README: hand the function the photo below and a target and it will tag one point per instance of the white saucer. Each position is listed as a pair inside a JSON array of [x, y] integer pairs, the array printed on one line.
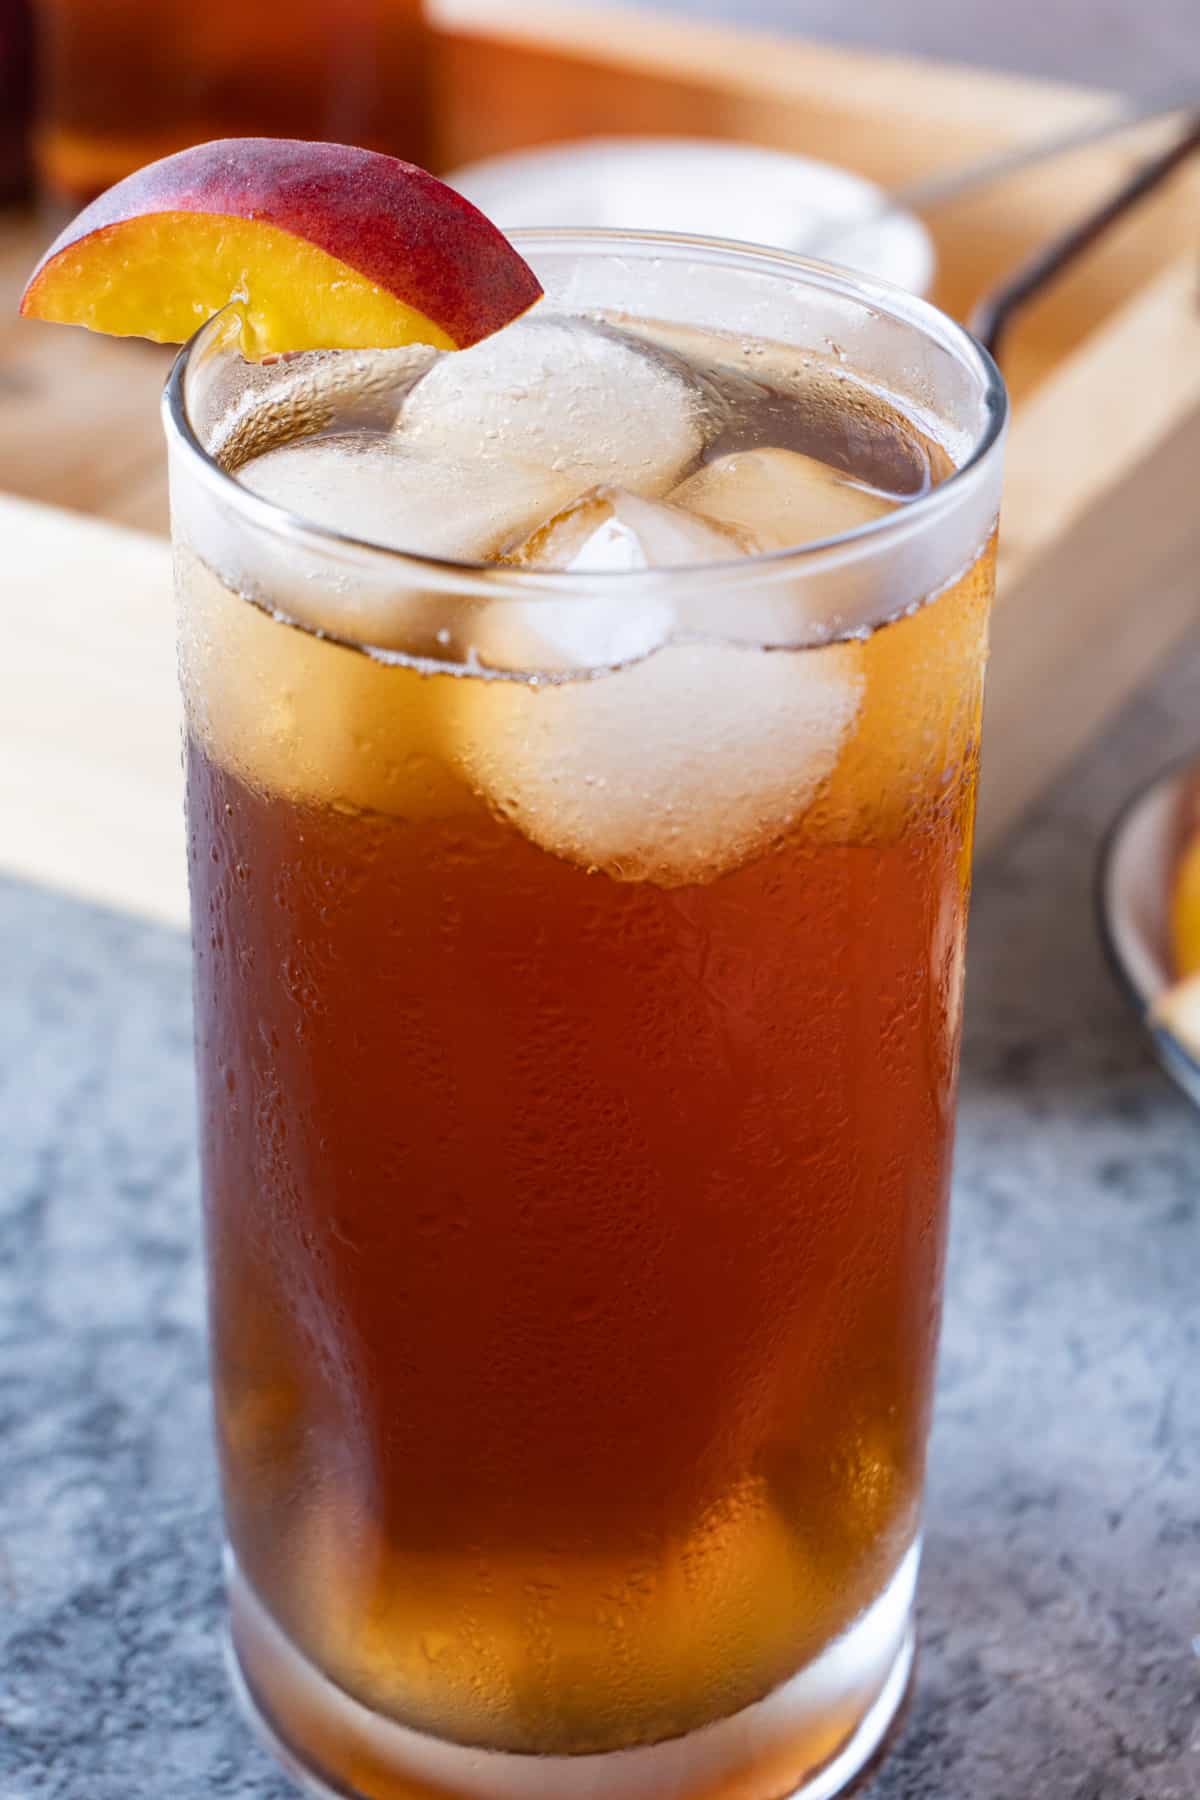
[[1132, 894], [702, 185]]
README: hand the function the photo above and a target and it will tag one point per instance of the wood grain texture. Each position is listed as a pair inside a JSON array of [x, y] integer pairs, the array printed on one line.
[[508, 76], [78, 413], [1101, 534], [1100, 541], [90, 785]]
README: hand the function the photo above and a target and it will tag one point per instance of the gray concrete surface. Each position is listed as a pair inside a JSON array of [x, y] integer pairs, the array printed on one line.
[[1060, 1601]]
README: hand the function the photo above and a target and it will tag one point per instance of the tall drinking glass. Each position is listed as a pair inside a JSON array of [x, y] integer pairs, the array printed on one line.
[[578, 980]]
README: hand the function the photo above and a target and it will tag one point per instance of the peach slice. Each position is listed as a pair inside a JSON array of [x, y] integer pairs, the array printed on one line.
[[324, 246], [1177, 1010], [1185, 910]]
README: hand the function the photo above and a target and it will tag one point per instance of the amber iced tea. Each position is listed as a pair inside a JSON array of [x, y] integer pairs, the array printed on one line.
[[578, 990], [610, 1474]]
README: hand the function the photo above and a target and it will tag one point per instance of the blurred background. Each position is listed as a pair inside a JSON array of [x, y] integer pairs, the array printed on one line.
[[1120, 43], [91, 88]]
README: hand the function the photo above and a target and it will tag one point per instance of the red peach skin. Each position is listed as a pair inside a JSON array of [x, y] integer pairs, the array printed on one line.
[[325, 245]]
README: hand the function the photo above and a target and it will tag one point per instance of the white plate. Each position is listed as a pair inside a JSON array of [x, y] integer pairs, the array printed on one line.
[[701, 185], [1133, 893]]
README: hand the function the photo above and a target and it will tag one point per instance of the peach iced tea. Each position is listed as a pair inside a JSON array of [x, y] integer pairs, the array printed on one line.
[[582, 712], [578, 988]]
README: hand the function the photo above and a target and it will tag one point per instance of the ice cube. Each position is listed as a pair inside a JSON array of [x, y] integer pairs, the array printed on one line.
[[606, 531], [918, 726], [612, 529], [376, 488], [780, 498], [561, 395], [490, 443], [295, 395], [297, 716], [672, 769]]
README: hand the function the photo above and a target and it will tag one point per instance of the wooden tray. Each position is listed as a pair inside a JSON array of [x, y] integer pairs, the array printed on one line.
[[1101, 529]]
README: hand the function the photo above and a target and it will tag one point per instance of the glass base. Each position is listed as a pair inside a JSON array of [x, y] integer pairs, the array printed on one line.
[[808, 1740]]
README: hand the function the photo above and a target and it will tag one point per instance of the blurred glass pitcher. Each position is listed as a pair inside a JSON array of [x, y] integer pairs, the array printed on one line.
[[125, 81]]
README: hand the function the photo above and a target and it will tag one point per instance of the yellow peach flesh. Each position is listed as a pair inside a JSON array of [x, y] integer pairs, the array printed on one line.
[[162, 275]]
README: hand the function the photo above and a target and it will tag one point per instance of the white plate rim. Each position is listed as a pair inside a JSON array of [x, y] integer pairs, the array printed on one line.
[[484, 181], [1132, 873]]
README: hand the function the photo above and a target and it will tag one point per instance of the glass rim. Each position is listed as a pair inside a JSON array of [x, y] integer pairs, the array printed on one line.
[[498, 581]]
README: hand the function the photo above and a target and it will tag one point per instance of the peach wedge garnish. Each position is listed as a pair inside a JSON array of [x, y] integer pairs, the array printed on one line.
[[324, 247]]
